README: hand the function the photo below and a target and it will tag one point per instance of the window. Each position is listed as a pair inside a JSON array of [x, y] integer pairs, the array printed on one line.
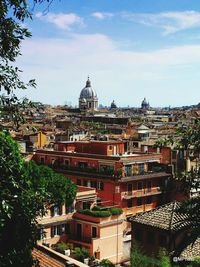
[[110, 147], [94, 184], [41, 233], [141, 168], [65, 228], [70, 209], [149, 200], [52, 161], [84, 183], [56, 210], [129, 203], [86, 205], [139, 186], [174, 154], [78, 182], [60, 229], [181, 154], [139, 201], [106, 169], [94, 232], [117, 189], [66, 162], [149, 186], [42, 160], [82, 165], [100, 186], [55, 230], [128, 170], [129, 187]]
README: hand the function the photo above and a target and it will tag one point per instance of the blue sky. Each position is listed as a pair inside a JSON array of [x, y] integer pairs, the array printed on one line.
[[131, 49]]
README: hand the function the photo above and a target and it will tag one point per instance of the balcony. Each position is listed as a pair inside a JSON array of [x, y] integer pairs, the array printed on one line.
[[144, 176], [141, 193], [86, 171]]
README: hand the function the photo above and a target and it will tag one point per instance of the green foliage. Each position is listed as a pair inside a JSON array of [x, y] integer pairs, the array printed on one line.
[[106, 263], [61, 247], [81, 253], [164, 258], [48, 179], [116, 211], [138, 258], [96, 213], [13, 14], [191, 222], [25, 189], [163, 142]]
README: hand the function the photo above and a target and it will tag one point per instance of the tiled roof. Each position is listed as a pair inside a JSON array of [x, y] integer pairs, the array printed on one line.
[[50, 258], [163, 217], [192, 250]]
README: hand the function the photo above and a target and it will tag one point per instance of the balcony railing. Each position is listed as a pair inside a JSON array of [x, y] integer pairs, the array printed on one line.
[[61, 166], [141, 193]]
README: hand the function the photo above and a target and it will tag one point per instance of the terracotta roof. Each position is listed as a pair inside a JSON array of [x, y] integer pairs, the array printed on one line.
[[50, 258], [163, 217], [192, 250]]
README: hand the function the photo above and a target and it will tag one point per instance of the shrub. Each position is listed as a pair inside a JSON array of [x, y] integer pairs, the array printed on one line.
[[116, 211], [81, 253], [61, 247], [106, 263], [96, 213]]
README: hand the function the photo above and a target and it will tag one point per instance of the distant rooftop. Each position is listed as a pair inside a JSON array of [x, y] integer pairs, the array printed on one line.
[[164, 217]]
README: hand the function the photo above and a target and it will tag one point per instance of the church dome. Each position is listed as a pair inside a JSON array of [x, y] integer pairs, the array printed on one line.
[[83, 100], [88, 91], [113, 105], [144, 102]]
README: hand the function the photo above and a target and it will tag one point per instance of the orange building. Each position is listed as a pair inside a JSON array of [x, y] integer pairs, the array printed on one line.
[[95, 233], [132, 181], [74, 225], [57, 223]]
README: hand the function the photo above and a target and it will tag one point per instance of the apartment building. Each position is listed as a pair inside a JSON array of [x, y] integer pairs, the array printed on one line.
[[131, 181]]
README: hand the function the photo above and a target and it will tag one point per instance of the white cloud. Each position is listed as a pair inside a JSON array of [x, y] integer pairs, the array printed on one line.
[[115, 73], [61, 20], [102, 15], [170, 22]]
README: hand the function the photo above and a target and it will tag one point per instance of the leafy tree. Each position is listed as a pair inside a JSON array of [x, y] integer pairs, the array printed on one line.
[[188, 139], [164, 258], [26, 190], [191, 222], [13, 14], [138, 258]]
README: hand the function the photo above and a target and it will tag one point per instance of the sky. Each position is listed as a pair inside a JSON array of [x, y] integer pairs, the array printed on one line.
[[130, 49]]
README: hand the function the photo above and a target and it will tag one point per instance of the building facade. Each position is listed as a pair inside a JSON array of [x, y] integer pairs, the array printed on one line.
[[132, 181]]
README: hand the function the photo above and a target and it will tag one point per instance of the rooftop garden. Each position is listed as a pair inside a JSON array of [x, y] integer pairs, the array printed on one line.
[[98, 211]]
